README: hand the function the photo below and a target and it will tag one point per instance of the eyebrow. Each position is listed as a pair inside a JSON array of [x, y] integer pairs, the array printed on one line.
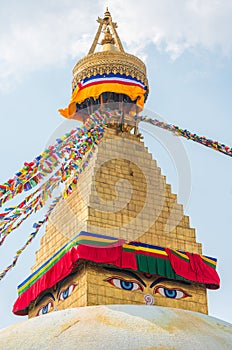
[[45, 296], [63, 281], [129, 273], [161, 279]]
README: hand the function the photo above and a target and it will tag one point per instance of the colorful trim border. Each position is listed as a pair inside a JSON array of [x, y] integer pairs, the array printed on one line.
[[98, 240], [110, 78], [81, 238], [135, 256]]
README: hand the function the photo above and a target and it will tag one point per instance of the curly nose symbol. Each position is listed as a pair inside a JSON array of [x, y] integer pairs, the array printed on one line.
[[149, 300]]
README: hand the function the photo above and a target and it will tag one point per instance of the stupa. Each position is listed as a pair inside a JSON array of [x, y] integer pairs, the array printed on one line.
[[114, 264]]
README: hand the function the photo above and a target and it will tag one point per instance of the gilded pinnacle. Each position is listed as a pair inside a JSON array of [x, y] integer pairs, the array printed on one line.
[[107, 14], [111, 59]]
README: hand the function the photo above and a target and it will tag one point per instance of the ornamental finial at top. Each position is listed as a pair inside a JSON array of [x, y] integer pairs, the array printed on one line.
[[107, 26], [107, 13]]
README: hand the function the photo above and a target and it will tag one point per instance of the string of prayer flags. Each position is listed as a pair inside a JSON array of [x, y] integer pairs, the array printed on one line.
[[37, 227], [15, 216], [46, 162], [69, 189], [217, 146]]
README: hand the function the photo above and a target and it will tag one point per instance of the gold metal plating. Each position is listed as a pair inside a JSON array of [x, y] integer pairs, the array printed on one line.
[[108, 61]]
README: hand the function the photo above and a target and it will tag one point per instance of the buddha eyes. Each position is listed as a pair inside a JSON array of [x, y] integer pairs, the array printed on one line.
[[130, 285], [124, 284], [45, 309], [64, 294], [171, 293]]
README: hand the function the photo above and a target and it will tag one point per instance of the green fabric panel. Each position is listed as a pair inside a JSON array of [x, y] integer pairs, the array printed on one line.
[[156, 266]]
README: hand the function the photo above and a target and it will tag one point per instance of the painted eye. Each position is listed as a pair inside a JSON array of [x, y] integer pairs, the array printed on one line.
[[64, 294], [45, 309], [171, 293], [124, 284]]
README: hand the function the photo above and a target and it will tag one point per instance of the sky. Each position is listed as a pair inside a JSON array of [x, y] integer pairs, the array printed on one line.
[[187, 48]]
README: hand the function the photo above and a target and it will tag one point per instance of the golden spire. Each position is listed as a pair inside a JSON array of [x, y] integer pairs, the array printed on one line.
[[107, 13], [109, 28], [111, 59]]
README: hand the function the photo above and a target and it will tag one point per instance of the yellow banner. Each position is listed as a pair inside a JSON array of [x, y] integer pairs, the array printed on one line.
[[79, 95]]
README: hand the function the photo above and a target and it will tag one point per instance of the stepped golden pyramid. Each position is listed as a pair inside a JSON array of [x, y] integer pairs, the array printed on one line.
[[119, 243]]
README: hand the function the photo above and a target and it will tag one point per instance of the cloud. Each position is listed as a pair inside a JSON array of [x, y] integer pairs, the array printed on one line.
[[175, 26], [31, 43], [47, 33]]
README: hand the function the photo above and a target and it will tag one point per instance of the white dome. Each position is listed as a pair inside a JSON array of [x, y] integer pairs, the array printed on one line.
[[119, 327]]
